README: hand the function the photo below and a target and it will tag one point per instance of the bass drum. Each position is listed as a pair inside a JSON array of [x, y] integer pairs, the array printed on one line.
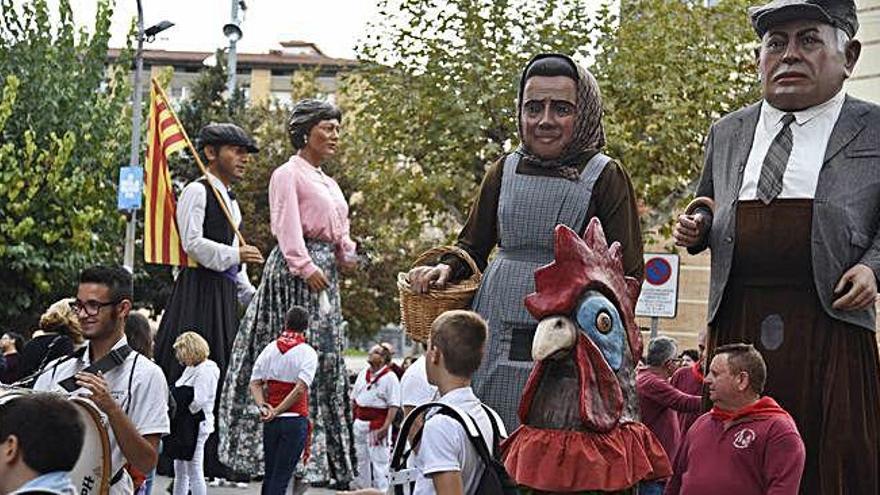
[[91, 474]]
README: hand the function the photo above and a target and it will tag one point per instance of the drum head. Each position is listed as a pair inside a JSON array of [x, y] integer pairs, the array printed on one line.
[[91, 475]]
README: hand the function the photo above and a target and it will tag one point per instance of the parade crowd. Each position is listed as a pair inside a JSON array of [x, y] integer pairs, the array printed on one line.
[[243, 383]]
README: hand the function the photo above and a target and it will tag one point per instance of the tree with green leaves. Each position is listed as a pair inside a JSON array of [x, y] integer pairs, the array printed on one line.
[[667, 70], [433, 104], [64, 133]]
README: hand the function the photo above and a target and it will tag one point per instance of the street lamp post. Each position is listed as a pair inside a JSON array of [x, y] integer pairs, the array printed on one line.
[[134, 152], [233, 33]]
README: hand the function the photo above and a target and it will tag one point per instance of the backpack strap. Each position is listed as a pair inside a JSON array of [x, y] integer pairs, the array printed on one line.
[[499, 432]]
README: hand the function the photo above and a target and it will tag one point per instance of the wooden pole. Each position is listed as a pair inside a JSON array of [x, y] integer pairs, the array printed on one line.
[[204, 170]]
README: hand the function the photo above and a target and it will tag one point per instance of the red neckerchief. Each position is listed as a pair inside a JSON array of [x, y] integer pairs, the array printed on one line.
[[289, 339], [697, 370], [372, 381], [765, 406]]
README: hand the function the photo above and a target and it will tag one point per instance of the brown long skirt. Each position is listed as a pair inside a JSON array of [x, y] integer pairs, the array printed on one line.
[[822, 371]]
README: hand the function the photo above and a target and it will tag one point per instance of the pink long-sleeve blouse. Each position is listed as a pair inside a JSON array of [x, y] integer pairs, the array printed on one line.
[[305, 204]]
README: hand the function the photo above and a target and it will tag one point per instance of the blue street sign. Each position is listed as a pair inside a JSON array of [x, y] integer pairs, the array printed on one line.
[[131, 186]]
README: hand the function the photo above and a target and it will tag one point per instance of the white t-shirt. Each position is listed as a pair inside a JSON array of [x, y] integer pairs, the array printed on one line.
[[203, 379], [138, 386], [298, 363], [382, 394], [414, 387], [446, 447]]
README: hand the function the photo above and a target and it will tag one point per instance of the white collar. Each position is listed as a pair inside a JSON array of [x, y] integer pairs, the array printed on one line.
[[773, 115], [458, 396], [87, 360]]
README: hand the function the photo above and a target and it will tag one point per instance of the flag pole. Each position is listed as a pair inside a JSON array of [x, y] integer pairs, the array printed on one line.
[[204, 170]]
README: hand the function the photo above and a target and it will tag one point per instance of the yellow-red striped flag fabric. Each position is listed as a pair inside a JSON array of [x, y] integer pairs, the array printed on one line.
[[164, 137]]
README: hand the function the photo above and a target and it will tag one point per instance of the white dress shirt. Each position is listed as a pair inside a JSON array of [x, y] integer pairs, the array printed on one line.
[[810, 132], [210, 254]]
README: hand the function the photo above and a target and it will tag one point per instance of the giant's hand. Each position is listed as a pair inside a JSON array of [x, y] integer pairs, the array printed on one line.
[[690, 229], [317, 281], [422, 278], [249, 254], [857, 289]]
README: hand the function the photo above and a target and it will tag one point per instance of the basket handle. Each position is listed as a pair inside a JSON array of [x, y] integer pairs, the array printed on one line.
[[436, 252]]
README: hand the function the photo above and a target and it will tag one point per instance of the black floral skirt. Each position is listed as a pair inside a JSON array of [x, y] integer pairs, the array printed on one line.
[[241, 448]]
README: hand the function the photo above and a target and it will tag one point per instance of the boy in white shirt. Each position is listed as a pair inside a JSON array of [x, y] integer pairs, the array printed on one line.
[[447, 459], [280, 381]]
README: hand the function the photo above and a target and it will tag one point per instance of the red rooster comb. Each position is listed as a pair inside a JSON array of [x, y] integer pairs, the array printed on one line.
[[583, 264]]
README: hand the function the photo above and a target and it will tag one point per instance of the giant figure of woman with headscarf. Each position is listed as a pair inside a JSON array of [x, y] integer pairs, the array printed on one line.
[[557, 175], [309, 219]]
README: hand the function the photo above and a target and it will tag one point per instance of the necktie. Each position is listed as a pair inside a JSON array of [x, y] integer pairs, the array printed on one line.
[[770, 182]]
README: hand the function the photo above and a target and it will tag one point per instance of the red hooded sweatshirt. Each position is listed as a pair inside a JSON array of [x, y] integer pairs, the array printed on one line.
[[754, 451]]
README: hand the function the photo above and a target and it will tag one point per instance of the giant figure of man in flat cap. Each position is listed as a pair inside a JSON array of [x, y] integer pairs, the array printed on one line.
[[206, 299], [789, 204]]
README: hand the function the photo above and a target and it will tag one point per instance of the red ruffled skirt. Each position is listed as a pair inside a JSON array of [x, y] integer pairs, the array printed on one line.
[[574, 461]]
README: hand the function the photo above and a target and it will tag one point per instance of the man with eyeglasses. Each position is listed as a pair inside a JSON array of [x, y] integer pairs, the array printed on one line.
[[126, 386]]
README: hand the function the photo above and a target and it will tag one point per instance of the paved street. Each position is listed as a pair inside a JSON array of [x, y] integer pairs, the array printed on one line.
[[354, 365], [253, 488]]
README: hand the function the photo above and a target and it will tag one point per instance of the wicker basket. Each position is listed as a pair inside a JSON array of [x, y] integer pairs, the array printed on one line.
[[418, 311]]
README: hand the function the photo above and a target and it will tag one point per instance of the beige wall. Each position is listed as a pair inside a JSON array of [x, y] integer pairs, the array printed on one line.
[[865, 82]]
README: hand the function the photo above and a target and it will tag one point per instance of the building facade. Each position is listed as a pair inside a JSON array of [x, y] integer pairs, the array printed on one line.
[[865, 81], [262, 76]]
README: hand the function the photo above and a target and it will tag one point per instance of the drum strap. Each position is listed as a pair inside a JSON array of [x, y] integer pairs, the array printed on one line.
[[113, 359]]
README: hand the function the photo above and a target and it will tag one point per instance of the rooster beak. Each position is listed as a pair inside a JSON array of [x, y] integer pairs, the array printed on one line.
[[553, 334]]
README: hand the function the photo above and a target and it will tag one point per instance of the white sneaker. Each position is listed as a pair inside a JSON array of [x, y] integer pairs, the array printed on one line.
[[217, 482], [239, 484]]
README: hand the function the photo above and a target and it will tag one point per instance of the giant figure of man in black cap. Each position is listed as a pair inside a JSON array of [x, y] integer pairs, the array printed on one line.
[[789, 204], [206, 299]]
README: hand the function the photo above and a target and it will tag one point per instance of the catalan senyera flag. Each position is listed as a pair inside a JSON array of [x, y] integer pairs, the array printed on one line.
[[164, 137]]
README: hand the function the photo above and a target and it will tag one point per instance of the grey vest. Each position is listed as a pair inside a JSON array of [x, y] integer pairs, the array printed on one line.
[[529, 209]]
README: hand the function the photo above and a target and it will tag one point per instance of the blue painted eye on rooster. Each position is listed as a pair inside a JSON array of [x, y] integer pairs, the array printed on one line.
[[598, 318]]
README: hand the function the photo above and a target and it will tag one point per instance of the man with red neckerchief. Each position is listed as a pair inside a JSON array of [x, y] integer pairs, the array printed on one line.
[[376, 399], [745, 445], [280, 381]]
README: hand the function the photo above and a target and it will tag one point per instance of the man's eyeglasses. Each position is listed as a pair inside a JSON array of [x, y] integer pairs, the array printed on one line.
[[91, 308]]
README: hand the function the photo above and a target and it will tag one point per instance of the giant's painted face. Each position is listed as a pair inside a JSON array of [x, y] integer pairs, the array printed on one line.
[[587, 342]]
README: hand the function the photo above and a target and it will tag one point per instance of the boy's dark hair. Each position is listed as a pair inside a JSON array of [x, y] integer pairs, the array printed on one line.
[[139, 334], [116, 278], [48, 428], [461, 336], [297, 319], [744, 357]]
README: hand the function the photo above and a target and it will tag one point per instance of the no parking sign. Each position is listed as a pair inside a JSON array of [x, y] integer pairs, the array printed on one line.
[[659, 297]]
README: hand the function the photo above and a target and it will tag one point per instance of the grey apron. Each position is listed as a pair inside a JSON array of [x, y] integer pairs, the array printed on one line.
[[529, 209]]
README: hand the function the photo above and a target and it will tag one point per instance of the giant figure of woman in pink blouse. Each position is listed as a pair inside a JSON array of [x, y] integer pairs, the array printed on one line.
[[309, 217]]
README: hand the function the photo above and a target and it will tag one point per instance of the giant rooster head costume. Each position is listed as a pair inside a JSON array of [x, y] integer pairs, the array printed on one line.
[[580, 428]]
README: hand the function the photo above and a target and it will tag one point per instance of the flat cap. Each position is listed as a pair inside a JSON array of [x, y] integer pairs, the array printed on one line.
[[225, 133], [838, 13]]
